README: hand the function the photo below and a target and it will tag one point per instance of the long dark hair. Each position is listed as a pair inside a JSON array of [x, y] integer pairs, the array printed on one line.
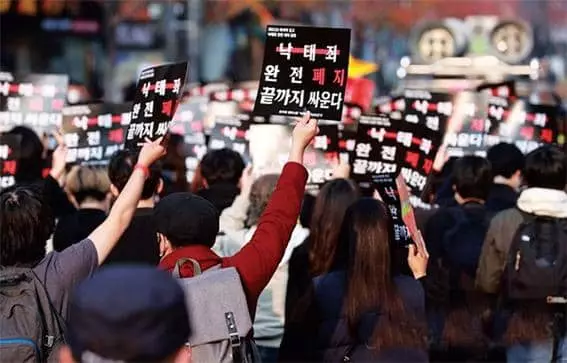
[[328, 213], [364, 251]]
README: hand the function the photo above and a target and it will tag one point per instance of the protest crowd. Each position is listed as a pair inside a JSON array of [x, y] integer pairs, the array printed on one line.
[[286, 222]]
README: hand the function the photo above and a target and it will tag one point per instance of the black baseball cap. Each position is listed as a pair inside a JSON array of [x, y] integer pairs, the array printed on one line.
[[187, 219], [127, 313]]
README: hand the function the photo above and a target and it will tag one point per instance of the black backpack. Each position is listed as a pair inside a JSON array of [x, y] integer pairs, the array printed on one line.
[[536, 267], [30, 327]]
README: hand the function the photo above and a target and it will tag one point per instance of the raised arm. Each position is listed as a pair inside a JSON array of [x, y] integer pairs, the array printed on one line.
[[258, 259], [108, 233]]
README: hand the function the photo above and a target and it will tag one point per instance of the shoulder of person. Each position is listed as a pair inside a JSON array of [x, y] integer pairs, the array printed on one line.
[[330, 280], [231, 242], [509, 217]]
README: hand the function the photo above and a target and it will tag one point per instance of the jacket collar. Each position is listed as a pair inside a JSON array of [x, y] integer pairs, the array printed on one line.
[[544, 202], [202, 254]]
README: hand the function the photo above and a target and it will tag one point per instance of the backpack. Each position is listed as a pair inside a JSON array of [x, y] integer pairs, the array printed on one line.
[[462, 244], [536, 267], [221, 327], [30, 327]]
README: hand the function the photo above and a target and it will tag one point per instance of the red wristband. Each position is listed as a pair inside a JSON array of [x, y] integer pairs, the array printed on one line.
[[144, 169]]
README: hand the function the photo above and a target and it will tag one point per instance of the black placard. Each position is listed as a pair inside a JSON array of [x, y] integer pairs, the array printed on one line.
[[155, 102], [9, 153], [468, 125], [375, 150], [304, 69], [188, 122], [93, 133], [231, 133], [347, 141], [506, 89], [386, 186], [35, 101], [528, 126], [321, 156], [393, 147], [419, 135]]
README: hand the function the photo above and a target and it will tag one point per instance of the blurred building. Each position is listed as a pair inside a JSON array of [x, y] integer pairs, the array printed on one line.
[[104, 44]]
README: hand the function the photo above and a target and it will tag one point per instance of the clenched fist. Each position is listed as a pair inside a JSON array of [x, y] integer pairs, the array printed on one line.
[[304, 131]]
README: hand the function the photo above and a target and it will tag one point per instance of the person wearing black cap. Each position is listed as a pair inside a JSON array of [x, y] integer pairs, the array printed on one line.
[[127, 314], [188, 225]]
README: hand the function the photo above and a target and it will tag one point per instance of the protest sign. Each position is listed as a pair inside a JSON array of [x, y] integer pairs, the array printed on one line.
[[155, 102], [419, 135], [321, 156], [467, 125], [304, 69], [94, 132], [505, 89], [375, 149], [9, 153], [526, 125], [231, 133], [347, 141], [387, 187], [188, 122], [34, 101]]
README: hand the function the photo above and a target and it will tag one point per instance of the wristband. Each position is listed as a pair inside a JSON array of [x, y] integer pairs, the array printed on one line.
[[144, 169]]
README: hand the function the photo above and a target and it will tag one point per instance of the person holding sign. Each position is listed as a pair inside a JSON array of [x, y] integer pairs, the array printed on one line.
[[376, 314], [188, 225], [26, 223]]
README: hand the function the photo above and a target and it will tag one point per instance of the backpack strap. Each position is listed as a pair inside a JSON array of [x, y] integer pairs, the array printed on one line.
[[348, 353], [233, 337], [57, 323], [177, 269]]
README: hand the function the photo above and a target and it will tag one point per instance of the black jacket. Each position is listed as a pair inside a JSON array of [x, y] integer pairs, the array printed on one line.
[[501, 197]]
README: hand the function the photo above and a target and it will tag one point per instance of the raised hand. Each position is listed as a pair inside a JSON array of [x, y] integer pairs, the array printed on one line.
[[304, 131], [341, 171], [59, 157], [151, 152], [417, 260]]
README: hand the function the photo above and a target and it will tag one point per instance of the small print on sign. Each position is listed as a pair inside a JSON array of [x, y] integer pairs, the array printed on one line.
[[155, 102], [305, 69]]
